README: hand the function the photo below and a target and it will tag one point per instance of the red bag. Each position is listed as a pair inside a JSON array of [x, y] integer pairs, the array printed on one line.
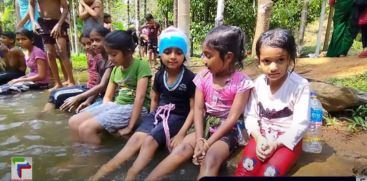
[[362, 19]]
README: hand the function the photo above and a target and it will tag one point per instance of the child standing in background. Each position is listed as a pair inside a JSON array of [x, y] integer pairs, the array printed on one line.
[[91, 13], [220, 97], [132, 79], [53, 29], [278, 112]]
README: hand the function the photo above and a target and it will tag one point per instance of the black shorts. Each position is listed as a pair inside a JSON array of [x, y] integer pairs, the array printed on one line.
[[175, 122], [152, 45], [46, 27], [58, 96]]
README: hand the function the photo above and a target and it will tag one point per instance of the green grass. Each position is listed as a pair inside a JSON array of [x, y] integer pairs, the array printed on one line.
[[358, 82], [79, 62]]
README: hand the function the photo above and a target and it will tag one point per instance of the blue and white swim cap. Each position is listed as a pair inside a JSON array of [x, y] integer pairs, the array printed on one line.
[[173, 37]]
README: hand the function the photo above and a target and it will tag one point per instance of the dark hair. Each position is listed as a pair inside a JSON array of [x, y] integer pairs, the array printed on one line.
[[278, 38], [9, 34], [106, 15], [226, 39], [121, 40], [25, 32], [83, 35], [149, 17], [100, 30]]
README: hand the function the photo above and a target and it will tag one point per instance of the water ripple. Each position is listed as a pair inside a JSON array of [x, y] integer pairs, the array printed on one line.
[[33, 137], [10, 126], [3, 117], [37, 124], [10, 140]]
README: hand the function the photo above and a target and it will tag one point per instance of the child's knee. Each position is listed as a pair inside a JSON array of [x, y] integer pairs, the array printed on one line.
[[73, 122], [86, 128], [149, 141], [184, 150]]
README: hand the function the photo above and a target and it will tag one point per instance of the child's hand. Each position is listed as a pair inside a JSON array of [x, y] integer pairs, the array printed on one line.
[[271, 147], [82, 106], [56, 31], [36, 27], [175, 141], [69, 103], [124, 131], [261, 146], [14, 81], [201, 147]]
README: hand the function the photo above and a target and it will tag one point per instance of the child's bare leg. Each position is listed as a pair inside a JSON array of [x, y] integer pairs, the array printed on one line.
[[64, 73], [75, 122], [51, 57], [215, 156], [48, 107], [61, 42], [132, 146], [179, 155], [150, 56], [89, 131], [146, 153]]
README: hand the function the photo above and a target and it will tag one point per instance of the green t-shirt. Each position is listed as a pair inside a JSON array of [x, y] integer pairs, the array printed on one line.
[[127, 81]]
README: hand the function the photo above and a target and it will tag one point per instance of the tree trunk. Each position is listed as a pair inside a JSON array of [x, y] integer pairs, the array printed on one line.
[[107, 7], [220, 10], [76, 45], [328, 29], [165, 20], [183, 17], [17, 13], [175, 13], [137, 14], [145, 7], [262, 20], [318, 41], [303, 25], [128, 13]]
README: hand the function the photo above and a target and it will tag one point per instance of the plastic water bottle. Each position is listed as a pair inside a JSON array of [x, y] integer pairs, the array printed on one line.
[[311, 140]]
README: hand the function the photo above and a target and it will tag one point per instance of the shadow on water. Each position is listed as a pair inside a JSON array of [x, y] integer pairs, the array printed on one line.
[[46, 139]]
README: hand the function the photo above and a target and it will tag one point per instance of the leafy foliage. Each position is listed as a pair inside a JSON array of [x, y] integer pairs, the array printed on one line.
[[358, 120]]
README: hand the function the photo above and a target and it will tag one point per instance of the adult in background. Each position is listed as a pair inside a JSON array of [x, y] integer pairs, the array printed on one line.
[[362, 22], [344, 30]]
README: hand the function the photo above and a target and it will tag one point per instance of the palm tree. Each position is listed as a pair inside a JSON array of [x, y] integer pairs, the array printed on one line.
[[175, 3], [183, 16], [303, 25]]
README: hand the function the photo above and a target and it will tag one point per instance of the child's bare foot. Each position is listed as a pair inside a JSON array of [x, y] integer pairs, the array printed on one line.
[[55, 87], [71, 84], [65, 83]]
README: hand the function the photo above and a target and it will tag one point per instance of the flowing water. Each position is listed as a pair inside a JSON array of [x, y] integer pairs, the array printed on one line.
[[45, 138]]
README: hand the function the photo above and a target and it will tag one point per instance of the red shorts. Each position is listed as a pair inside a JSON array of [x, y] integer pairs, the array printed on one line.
[[277, 165]]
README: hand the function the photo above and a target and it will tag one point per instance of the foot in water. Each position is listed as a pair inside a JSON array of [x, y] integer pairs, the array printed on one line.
[[55, 87]]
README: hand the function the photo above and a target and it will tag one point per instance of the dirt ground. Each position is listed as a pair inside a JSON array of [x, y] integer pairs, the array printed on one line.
[[344, 153]]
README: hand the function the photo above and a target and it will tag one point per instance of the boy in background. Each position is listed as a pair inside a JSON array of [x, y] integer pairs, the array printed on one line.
[[53, 30]]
